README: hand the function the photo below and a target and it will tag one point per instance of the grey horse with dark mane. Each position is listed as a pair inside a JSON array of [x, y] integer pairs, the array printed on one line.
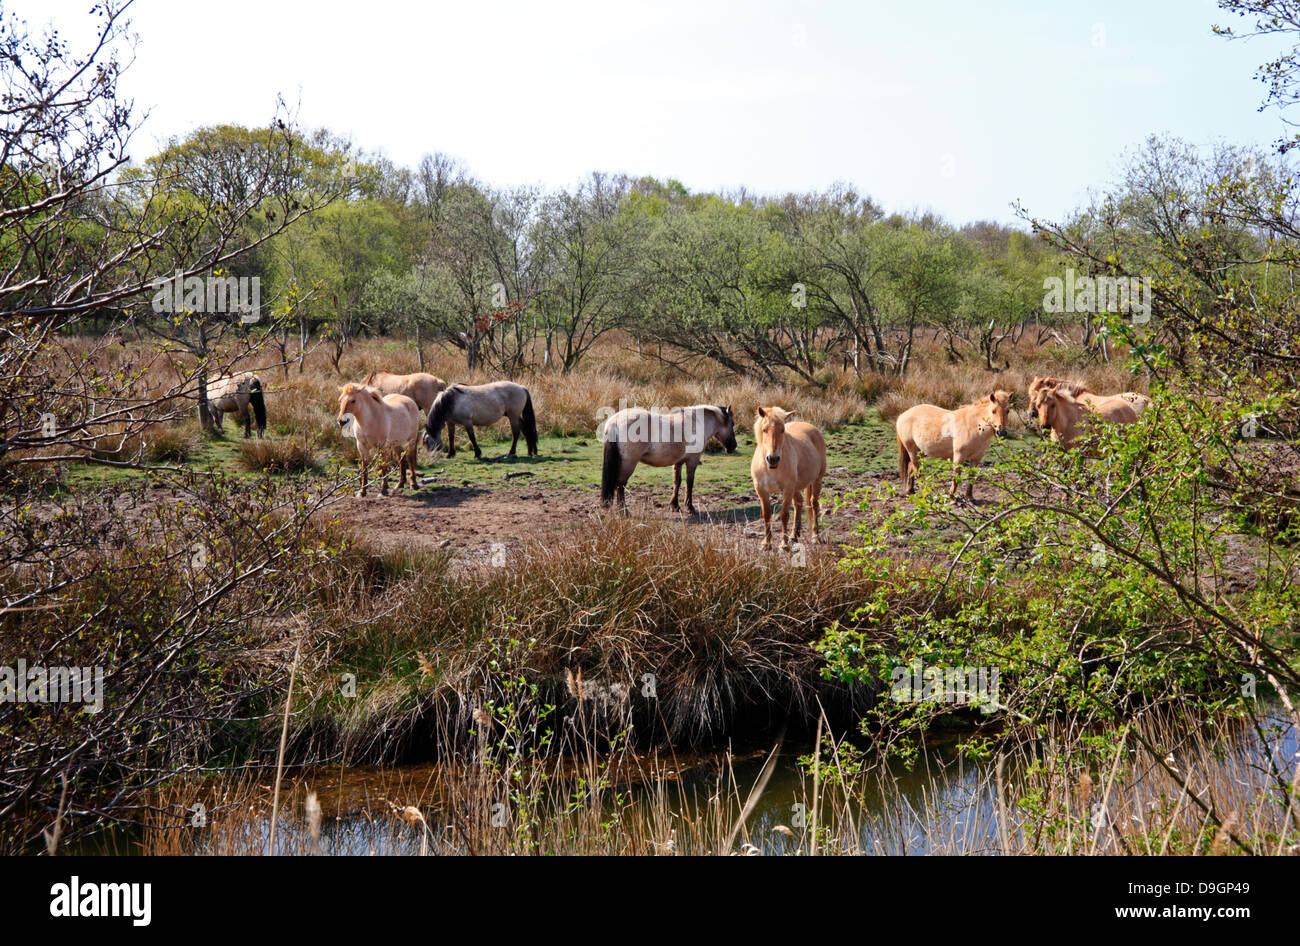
[[236, 394], [482, 404], [676, 438]]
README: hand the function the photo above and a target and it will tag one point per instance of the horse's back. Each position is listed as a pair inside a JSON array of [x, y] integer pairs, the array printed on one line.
[[927, 427], [404, 421]]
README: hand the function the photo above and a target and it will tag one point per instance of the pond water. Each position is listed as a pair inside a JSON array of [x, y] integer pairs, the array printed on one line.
[[944, 804]]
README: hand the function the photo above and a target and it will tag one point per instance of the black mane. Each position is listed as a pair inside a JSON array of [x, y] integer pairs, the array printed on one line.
[[441, 407]]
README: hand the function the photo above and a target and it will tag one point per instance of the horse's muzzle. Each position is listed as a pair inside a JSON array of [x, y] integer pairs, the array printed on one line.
[[1000, 431], [772, 461]]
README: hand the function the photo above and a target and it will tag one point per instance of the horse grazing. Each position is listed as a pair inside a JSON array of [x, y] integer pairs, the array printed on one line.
[[789, 459], [1109, 406], [420, 387], [235, 394], [1062, 413], [387, 426], [470, 404], [962, 436], [677, 439]]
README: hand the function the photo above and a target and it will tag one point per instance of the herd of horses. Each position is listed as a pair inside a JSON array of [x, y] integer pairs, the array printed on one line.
[[388, 415]]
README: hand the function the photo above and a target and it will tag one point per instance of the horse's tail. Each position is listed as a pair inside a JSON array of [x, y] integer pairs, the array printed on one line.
[[257, 402], [530, 423], [610, 468]]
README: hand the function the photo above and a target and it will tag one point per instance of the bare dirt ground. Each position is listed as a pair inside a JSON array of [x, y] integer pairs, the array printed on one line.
[[469, 520]]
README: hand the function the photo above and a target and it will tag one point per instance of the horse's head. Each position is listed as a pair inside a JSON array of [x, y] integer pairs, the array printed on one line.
[[769, 433], [1053, 408], [1037, 388], [726, 431], [354, 401], [433, 425], [997, 410]]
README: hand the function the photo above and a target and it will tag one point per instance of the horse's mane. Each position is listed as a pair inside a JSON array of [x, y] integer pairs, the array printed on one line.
[[442, 405], [781, 413], [353, 388], [370, 378]]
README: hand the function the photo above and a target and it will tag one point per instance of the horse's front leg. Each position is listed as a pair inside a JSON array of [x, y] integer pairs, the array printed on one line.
[[478, 454], [677, 486], [383, 472], [765, 503], [798, 514], [815, 507], [364, 456], [787, 500], [451, 440], [956, 466]]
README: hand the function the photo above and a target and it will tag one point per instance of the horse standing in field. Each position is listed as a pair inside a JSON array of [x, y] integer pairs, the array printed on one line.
[[388, 426], [962, 436], [1062, 413], [677, 439], [420, 387], [1108, 405], [236, 394], [470, 404], [789, 459]]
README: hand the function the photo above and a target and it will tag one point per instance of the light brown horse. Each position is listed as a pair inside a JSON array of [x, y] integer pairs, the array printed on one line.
[[789, 459], [962, 436], [420, 387], [1110, 406], [1064, 415], [387, 426]]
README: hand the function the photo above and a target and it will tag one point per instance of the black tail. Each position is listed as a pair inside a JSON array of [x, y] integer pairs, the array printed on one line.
[[257, 402], [612, 466], [530, 424]]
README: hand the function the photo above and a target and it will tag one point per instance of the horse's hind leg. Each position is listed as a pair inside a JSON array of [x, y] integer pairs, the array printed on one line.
[[690, 489], [677, 486], [798, 514], [815, 506], [514, 433], [248, 422], [383, 474]]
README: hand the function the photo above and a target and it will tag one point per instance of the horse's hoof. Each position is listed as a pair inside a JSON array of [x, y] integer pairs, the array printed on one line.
[[361, 494]]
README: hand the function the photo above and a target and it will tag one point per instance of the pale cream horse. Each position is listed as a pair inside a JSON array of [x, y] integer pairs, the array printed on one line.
[[789, 460], [388, 426], [962, 436]]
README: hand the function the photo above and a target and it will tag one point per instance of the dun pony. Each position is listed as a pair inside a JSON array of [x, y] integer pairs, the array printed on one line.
[[388, 426], [235, 394], [1063, 414], [789, 460], [470, 404], [962, 436], [677, 439], [420, 387]]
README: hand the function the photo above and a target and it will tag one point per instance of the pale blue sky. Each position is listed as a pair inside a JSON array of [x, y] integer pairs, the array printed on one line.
[[958, 107]]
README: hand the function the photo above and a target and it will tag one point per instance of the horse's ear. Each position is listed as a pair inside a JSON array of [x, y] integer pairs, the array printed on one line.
[[759, 412]]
